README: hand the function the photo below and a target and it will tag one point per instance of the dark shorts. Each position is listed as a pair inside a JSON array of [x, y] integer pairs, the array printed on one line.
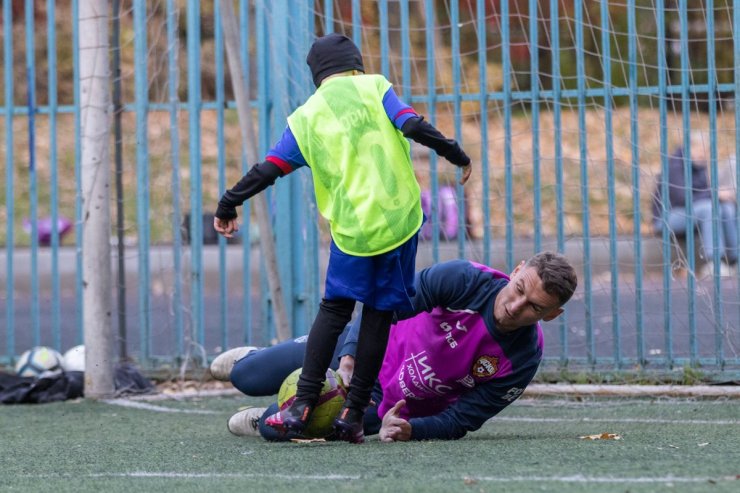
[[383, 282]]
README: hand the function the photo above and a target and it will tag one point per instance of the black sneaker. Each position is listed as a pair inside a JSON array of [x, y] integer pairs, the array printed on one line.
[[292, 419], [348, 426]]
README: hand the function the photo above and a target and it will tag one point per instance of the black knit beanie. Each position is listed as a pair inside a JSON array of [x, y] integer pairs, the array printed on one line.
[[332, 54]]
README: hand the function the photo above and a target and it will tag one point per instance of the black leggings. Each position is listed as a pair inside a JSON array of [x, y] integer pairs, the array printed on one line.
[[333, 316], [261, 373]]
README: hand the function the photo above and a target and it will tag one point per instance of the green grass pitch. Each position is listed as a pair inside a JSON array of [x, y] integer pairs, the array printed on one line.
[[534, 445]]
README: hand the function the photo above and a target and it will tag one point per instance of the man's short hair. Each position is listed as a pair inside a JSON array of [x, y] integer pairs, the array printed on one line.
[[558, 276]]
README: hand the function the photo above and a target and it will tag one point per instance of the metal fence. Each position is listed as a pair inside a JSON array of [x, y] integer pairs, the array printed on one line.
[[570, 109]]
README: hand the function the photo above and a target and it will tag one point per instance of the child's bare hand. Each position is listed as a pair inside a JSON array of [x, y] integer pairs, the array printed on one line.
[[466, 172], [226, 227]]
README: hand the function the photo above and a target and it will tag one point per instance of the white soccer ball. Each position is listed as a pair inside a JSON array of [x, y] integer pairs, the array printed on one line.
[[38, 360], [74, 359]]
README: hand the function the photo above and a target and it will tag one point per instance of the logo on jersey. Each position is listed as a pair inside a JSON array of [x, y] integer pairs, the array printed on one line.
[[486, 366], [421, 375], [447, 328], [512, 394], [467, 381]]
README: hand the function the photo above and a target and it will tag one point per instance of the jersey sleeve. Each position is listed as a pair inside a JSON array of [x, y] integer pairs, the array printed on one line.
[[455, 284], [350, 342], [398, 112], [259, 177], [474, 408], [286, 154]]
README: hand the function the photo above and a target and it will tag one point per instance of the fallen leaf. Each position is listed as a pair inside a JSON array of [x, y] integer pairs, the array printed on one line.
[[601, 436]]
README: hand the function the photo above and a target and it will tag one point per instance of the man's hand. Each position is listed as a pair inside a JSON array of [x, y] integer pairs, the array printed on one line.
[[466, 172], [394, 428], [346, 369], [226, 227]]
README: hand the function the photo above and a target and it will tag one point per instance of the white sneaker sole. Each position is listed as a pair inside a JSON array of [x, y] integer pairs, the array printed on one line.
[[223, 363], [245, 423]]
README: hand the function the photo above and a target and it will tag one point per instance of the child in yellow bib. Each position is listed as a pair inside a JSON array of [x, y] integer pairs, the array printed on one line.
[[352, 134]]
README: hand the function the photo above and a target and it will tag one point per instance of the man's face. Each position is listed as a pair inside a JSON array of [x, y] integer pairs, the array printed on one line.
[[524, 301]]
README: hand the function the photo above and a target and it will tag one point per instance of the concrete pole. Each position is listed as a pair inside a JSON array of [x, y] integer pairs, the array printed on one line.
[[95, 138]]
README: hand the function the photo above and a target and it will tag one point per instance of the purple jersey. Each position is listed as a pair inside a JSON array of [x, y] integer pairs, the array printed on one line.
[[435, 357]]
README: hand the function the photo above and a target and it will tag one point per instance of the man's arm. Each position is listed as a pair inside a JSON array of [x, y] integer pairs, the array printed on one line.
[[455, 284], [348, 351], [468, 413]]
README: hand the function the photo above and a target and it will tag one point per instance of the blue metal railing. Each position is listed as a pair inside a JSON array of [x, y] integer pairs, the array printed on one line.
[[275, 39], [9, 182]]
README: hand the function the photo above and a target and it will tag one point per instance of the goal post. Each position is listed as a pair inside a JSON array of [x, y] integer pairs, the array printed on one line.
[[95, 191]]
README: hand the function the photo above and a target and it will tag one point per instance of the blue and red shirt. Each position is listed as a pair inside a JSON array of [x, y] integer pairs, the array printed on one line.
[[286, 155]]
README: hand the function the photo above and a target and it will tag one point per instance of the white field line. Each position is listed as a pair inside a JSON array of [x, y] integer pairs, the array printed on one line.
[[591, 479], [534, 390], [208, 475], [731, 391], [577, 478], [524, 419], [583, 403], [152, 407], [177, 396]]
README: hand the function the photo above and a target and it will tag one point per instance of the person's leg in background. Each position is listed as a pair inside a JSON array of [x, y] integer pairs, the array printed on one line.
[[728, 214], [676, 221], [702, 211]]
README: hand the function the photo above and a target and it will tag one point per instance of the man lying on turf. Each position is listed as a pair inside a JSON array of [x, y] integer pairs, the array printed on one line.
[[469, 348]]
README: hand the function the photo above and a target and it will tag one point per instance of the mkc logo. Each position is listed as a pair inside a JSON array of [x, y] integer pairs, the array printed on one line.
[[423, 376], [486, 366]]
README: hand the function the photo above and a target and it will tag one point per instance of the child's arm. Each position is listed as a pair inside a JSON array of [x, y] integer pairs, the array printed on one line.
[[258, 178], [283, 158], [414, 127], [422, 132]]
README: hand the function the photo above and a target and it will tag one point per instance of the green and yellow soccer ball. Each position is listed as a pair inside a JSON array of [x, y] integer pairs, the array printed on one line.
[[330, 402]]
